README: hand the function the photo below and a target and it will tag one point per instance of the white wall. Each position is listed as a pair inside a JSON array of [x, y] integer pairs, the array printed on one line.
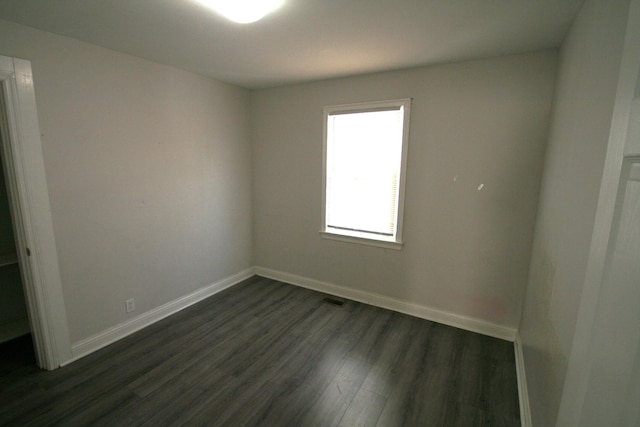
[[466, 251], [581, 124], [149, 176]]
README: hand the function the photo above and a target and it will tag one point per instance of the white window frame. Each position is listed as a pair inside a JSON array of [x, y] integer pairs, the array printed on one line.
[[391, 242]]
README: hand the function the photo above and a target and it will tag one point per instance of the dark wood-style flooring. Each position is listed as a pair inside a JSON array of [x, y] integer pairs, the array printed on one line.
[[265, 353]]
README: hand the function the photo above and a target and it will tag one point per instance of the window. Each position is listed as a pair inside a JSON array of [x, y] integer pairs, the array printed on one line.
[[365, 149]]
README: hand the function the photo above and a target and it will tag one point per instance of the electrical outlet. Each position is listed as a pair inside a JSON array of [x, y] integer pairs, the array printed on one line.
[[131, 305]]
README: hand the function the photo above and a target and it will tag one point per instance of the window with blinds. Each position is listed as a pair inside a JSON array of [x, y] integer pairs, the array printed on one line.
[[364, 162]]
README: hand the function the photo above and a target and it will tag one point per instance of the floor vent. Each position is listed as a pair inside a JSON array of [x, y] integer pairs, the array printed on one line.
[[333, 301]]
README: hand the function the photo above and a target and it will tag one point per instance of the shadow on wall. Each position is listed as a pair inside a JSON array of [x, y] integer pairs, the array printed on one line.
[[543, 345]]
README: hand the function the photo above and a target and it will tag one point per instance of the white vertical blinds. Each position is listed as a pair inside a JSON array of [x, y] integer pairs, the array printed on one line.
[[363, 161]]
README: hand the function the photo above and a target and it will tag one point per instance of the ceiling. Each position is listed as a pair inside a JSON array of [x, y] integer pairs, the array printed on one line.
[[306, 39]]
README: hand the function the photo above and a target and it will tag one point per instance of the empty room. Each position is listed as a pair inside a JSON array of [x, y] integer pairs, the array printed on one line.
[[328, 213]]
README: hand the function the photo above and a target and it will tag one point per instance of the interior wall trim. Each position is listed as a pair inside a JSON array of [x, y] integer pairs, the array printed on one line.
[[523, 393], [423, 312], [102, 339], [95, 342]]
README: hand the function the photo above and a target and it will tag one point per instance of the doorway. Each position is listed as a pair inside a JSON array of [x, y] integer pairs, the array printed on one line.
[[28, 201], [14, 321]]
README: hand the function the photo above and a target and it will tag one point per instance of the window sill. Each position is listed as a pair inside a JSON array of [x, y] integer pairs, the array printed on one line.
[[352, 238]]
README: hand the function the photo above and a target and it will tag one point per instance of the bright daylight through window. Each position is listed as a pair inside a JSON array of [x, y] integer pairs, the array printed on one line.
[[364, 164]]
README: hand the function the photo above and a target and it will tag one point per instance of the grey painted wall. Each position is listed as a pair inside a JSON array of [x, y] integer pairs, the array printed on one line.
[[149, 176], [466, 251], [581, 123]]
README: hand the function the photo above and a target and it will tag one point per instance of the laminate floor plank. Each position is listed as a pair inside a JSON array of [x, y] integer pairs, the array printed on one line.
[[101, 408], [338, 394], [461, 382], [265, 353], [374, 338], [291, 384], [253, 356], [247, 364], [403, 400], [364, 409], [309, 370], [218, 345]]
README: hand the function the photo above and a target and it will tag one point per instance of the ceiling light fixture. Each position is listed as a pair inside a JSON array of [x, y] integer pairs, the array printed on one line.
[[243, 11]]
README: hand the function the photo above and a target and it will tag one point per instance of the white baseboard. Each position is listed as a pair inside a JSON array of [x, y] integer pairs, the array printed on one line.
[[95, 342], [446, 318], [523, 392]]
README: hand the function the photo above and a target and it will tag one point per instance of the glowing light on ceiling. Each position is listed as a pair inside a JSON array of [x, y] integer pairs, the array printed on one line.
[[243, 11]]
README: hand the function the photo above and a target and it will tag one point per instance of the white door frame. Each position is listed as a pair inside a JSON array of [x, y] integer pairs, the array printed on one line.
[[31, 213], [582, 359]]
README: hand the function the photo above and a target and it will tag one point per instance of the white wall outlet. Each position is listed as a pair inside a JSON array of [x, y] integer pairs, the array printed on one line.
[[131, 305]]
